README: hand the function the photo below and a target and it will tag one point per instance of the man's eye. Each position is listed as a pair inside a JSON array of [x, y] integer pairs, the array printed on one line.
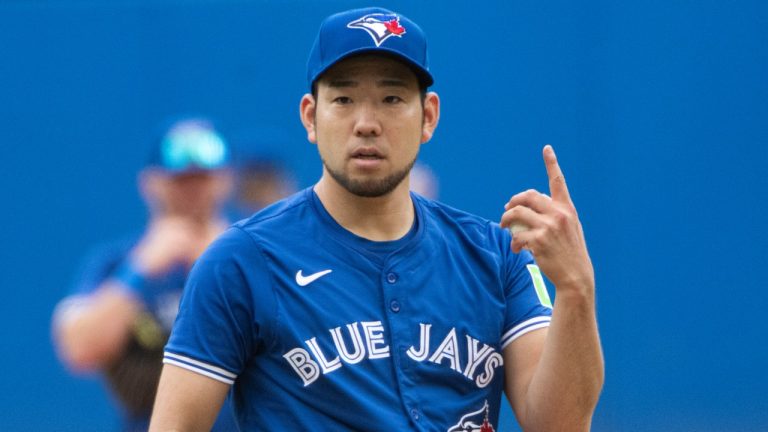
[[343, 100], [392, 99]]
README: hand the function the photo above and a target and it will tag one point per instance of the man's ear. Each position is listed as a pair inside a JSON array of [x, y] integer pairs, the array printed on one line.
[[307, 112], [150, 187], [431, 116]]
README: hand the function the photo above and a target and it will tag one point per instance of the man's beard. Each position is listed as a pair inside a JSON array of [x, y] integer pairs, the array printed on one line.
[[371, 188]]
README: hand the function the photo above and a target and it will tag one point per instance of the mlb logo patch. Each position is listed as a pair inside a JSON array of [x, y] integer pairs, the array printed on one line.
[[379, 26]]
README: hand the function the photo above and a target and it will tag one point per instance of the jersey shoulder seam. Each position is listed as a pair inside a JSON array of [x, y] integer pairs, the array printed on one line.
[[252, 237]]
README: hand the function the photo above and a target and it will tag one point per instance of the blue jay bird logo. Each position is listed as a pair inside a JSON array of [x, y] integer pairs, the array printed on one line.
[[380, 26], [476, 421]]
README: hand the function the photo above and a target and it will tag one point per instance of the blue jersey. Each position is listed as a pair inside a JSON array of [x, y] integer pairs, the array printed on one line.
[[162, 292], [319, 329], [133, 377]]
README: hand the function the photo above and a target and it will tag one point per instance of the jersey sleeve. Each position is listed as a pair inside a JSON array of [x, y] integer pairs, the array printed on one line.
[[100, 264], [528, 304], [224, 305]]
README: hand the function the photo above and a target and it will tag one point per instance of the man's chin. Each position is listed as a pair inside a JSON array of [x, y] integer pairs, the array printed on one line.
[[368, 186]]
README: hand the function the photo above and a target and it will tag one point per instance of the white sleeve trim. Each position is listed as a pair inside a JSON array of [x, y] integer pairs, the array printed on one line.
[[199, 367], [523, 328]]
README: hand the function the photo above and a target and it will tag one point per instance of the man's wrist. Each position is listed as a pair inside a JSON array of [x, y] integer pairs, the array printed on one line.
[[132, 279], [583, 293]]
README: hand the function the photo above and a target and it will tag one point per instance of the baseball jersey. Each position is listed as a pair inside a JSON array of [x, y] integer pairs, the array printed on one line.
[[319, 329], [162, 292], [133, 377]]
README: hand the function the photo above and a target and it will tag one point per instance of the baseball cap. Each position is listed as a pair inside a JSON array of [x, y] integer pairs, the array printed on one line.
[[190, 145], [368, 30]]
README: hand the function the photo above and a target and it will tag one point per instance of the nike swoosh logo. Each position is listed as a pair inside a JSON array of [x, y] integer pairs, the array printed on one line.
[[306, 280]]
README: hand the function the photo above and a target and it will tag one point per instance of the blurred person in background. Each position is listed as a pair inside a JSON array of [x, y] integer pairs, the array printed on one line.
[[424, 181], [120, 313], [261, 180]]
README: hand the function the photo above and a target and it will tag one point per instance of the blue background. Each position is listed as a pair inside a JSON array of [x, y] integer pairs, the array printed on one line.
[[658, 111]]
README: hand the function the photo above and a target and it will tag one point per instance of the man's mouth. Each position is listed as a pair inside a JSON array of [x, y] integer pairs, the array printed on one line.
[[367, 154]]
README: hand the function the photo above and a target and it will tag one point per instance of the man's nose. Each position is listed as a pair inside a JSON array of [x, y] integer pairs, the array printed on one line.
[[367, 122]]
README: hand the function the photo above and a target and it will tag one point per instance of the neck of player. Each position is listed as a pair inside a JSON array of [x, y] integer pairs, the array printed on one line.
[[385, 218]]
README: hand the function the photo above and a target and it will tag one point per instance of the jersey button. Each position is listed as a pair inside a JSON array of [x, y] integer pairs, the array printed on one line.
[[391, 278], [395, 306], [415, 414]]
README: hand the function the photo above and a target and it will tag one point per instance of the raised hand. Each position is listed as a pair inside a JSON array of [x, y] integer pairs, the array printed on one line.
[[550, 229], [170, 241]]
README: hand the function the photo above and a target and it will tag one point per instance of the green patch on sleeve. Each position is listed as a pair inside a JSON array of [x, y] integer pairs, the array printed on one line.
[[538, 283]]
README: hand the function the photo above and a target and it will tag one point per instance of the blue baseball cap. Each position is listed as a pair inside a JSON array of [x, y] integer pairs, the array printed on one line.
[[369, 30], [190, 145]]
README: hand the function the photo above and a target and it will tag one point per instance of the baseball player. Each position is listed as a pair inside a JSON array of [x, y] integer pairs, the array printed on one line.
[[358, 305], [125, 301], [261, 180]]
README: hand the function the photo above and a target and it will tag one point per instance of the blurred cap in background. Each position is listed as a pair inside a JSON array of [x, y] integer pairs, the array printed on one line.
[[188, 145]]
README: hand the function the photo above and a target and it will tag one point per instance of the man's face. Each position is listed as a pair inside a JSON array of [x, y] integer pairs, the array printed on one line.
[[368, 121], [198, 195]]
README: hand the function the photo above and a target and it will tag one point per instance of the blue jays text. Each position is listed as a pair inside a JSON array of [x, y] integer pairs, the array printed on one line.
[[448, 353]]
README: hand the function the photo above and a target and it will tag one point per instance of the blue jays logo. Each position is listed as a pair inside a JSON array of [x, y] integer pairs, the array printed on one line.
[[476, 421], [380, 26]]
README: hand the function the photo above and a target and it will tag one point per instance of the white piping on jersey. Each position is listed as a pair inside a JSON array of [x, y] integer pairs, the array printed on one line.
[[523, 328], [193, 365]]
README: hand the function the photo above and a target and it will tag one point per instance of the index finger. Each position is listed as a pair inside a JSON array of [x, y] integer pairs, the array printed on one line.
[[557, 187]]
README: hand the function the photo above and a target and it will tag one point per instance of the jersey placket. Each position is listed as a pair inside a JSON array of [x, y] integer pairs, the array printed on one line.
[[401, 319]]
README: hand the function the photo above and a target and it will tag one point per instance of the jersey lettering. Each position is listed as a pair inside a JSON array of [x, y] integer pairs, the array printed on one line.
[[300, 361], [479, 355], [449, 349], [328, 366], [494, 360], [475, 357], [357, 343], [423, 352], [374, 336]]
